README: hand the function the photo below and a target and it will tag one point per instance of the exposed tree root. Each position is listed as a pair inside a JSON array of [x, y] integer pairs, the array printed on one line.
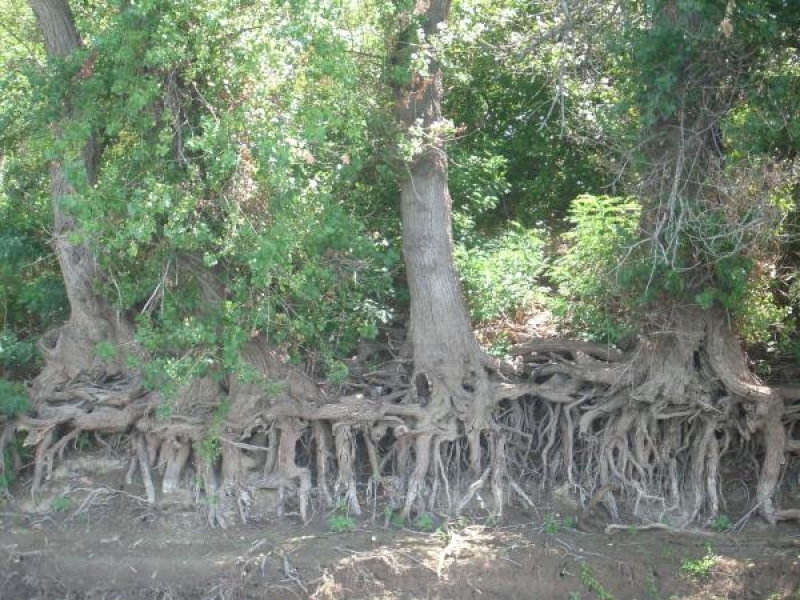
[[649, 446]]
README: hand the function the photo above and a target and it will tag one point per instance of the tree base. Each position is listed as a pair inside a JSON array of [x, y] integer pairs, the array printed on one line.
[[648, 436]]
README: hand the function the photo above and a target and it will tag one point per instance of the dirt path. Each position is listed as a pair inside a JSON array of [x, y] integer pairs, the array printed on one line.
[[122, 551]]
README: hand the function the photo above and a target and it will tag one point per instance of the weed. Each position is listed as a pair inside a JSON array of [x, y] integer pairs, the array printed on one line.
[[633, 531], [553, 525], [13, 452], [105, 351], [61, 504], [341, 523], [721, 523], [651, 588], [424, 522], [13, 400], [491, 520], [83, 442], [699, 568], [443, 535], [209, 447], [393, 518], [397, 520], [588, 579]]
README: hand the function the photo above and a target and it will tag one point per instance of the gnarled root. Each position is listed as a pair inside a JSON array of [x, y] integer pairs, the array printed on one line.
[[345, 455]]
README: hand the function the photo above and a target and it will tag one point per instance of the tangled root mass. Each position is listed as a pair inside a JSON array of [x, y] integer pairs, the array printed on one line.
[[649, 435]]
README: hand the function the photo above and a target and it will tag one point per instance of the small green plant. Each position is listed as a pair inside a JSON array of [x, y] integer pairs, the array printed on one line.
[[336, 370], [501, 345], [699, 568], [209, 446], [341, 523], [397, 519], [393, 518], [651, 588], [588, 579], [633, 531], [105, 350], [83, 442], [424, 522], [721, 523], [553, 525], [17, 356], [491, 520], [13, 400], [61, 504]]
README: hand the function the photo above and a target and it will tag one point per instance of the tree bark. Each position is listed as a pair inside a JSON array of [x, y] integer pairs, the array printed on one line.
[[448, 378], [439, 322], [70, 351], [686, 159]]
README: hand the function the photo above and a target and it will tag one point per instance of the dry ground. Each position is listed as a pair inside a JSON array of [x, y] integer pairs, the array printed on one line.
[[100, 542]]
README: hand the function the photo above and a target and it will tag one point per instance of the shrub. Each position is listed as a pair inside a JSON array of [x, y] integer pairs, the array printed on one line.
[[591, 275], [502, 275], [13, 400]]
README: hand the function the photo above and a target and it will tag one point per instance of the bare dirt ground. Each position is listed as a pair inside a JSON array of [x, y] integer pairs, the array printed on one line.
[[104, 543]]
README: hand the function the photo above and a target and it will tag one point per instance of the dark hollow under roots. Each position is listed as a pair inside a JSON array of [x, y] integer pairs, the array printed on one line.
[[648, 436]]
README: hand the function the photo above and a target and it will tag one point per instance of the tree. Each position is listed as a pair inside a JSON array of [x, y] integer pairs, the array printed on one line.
[[449, 380], [70, 351], [71, 360], [702, 227], [696, 226]]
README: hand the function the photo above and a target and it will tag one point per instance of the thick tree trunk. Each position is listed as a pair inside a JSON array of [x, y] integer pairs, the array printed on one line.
[[696, 354], [448, 378], [70, 351]]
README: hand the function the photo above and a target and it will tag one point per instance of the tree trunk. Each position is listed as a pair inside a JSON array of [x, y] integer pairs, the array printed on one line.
[[695, 349], [70, 351], [448, 377]]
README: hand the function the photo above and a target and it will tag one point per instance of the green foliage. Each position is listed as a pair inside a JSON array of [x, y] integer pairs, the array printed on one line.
[[393, 517], [32, 296], [247, 187], [238, 145], [592, 275], [340, 521], [14, 452], [502, 275], [425, 522], [721, 523], [700, 568], [17, 356], [553, 525], [105, 351], [209, 447], [591, 582], [61, 504], [13, 400], [518, 155]]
